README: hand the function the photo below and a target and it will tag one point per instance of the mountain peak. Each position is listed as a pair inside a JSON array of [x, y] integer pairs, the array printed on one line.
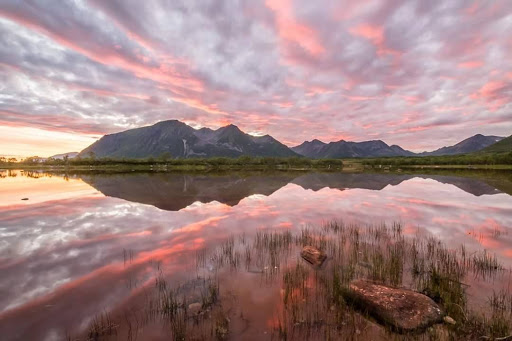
[[231, 126], [182, 141], [342, 148], [169, 122]]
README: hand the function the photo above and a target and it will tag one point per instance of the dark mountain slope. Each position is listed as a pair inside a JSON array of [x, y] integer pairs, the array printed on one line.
[[340, 149], [469, 145], [182, 141], [309, 148]]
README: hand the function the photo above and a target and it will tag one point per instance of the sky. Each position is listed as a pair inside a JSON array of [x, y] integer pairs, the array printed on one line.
[[421, 74]]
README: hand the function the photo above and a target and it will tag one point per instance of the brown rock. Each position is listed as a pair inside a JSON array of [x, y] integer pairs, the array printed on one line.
[[403, 310], [312, 255], [194, 308]]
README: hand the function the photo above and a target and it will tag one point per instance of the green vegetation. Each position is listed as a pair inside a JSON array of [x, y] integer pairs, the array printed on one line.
[[164, 163], [502, 146], [487, 159]]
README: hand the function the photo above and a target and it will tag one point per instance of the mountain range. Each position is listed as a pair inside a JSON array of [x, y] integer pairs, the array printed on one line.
[[469, 145], [319, 150], [70, 155], [178, 140]]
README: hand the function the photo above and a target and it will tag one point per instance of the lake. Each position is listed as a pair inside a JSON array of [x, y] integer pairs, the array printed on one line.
[[83, 245]]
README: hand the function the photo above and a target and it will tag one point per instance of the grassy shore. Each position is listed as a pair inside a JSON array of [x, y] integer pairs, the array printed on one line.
[[501, 160], [196, 164], [495, 167], [496, 161]]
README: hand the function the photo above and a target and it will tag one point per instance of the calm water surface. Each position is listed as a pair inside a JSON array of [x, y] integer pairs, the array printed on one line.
[[83, 244]]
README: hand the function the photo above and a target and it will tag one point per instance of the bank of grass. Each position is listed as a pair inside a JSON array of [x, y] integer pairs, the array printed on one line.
[[194, 164], [313, 304], [501, 160]]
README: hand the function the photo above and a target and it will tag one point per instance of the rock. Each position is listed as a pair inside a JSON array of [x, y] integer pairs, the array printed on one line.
[[449, 320], [401, 309], [313, 256], [194, 308]]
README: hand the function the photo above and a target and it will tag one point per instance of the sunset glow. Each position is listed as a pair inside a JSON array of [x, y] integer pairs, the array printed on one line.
[[288, 68]]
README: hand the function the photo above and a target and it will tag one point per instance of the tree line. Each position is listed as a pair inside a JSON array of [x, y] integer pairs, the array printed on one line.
[[92, 160]]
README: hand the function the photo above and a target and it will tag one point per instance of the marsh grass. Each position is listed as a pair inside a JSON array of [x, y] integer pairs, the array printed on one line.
[[101, 326], [313, 302]]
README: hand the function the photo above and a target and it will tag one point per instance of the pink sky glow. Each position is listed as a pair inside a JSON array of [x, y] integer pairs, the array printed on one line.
[[420, 74]]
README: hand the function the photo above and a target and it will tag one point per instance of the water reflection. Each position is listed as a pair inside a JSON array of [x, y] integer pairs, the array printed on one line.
[[173, 192], [63, 252]]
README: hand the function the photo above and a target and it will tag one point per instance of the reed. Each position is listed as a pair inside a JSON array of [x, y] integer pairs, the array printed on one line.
[[312, 302]]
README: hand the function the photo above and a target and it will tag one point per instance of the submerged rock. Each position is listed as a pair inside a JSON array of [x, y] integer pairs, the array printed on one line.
[[313, 255], [194, 308], [403, 310]]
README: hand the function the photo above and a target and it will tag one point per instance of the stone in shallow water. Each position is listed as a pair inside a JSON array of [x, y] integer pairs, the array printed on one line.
[[403, 310], [312, 255], [194, 308]]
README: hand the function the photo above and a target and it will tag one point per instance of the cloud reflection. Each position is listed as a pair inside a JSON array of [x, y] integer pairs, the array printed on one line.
[[70, 252]]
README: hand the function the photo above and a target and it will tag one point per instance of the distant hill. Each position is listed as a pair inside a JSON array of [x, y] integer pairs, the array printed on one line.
[[504, 145], [469, 145], [61, 156], [309, 148], [178, 140], [377, 148]]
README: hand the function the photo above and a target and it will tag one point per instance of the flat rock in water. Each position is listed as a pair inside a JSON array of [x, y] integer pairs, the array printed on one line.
[[404, 310], [312, 255], [194, 308]]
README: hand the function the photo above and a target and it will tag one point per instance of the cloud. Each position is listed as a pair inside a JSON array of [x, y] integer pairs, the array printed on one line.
[[289, 68]]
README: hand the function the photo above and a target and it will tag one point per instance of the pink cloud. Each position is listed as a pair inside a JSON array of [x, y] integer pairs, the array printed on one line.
[[293, 32], [494, 93], [289, 68], [375, 34], [471, 64]]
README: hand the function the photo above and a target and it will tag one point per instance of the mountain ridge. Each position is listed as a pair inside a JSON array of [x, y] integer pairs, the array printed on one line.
[[173, 138], [70, 155], [471, 144], [378, 148], [317, 149]]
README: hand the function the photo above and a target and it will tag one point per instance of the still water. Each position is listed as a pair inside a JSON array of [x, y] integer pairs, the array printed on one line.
[[86, 243]]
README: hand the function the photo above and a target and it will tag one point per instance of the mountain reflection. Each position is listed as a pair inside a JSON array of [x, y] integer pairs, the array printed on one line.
[[173, 192], [66, 246]]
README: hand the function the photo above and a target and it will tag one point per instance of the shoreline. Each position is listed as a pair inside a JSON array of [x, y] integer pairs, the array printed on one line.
[[347, 168]]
